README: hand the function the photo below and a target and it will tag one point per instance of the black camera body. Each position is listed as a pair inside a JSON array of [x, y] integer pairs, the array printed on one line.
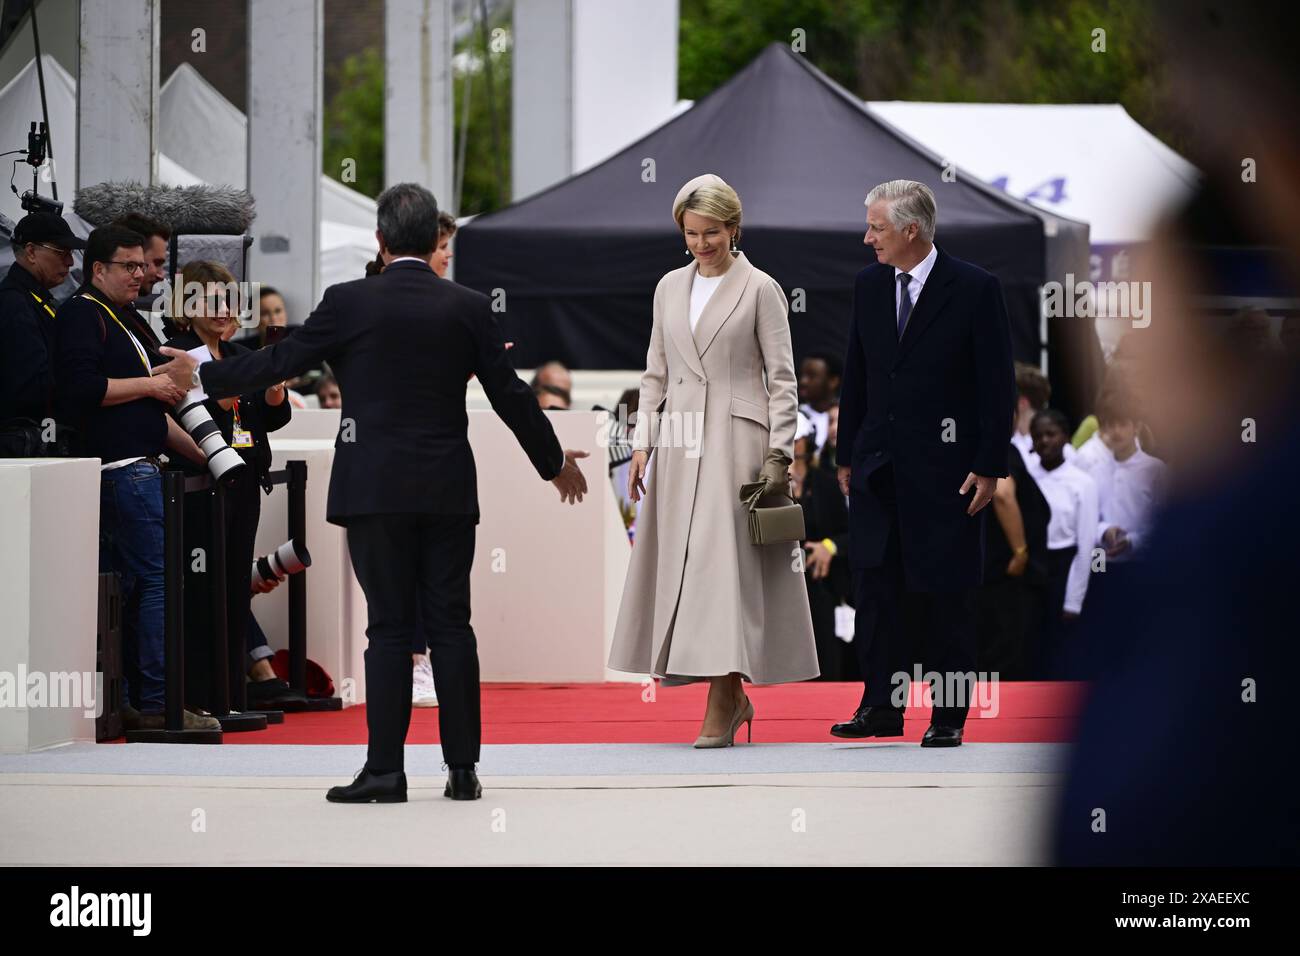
[[38, 141]]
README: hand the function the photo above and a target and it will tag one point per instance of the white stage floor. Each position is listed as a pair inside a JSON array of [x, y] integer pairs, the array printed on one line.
[[761, 804]]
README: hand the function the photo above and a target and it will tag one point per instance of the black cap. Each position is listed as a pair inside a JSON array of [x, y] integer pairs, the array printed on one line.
[[49, 228]]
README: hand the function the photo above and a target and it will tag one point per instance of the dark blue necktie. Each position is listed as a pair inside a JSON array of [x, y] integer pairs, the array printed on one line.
[[904, 301]]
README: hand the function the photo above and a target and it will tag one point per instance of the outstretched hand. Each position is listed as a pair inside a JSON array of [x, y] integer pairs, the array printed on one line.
[[570, 480], [180, 369]]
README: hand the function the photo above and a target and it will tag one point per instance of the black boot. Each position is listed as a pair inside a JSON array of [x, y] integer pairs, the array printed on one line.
[[871, 722], [367, 787], [462, 784], [937, 735]]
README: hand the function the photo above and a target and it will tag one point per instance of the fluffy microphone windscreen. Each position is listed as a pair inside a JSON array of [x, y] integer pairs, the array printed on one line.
[[203, 209]]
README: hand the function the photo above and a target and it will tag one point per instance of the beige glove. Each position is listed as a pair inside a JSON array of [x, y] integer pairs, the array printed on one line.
[[776, 472]]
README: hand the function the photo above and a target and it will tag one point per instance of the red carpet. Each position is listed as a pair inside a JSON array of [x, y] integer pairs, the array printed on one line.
[[616, 714]]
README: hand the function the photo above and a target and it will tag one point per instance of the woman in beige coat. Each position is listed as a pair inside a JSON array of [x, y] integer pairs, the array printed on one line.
[[701, 601]]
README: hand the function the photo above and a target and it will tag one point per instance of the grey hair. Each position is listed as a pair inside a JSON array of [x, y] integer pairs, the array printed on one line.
[[408, 219], [909, 202]]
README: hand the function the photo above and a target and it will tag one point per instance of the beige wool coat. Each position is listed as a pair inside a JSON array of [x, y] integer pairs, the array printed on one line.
[[701, 600]]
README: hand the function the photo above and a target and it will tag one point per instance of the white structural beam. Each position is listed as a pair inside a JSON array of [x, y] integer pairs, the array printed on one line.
[[590, 77], [284, 147], [419, 99], [541, 129], [117, 91]]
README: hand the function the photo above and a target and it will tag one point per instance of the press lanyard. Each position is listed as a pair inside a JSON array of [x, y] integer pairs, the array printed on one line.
[[239, 438], [43, 304], [144, 359]]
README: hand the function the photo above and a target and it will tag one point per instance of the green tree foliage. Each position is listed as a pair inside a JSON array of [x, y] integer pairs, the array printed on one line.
[[995, 51], [1010, 51], [480, 192], [354, 124]]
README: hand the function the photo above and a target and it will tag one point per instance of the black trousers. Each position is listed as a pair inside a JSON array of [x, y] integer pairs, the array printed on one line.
[[405, 562], [1008, 615], [894, 628], [1055, 633]]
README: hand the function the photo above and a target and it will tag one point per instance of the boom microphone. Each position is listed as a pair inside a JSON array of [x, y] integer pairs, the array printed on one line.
[[194, 210]]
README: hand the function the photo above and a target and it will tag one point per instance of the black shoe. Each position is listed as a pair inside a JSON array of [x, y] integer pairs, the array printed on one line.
[[871, 722], [262, 689], [369, 787], [272, 693], [462, 785], [936, 736]]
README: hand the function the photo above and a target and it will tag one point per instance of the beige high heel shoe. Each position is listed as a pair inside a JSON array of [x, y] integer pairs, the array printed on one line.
[[743, 715]]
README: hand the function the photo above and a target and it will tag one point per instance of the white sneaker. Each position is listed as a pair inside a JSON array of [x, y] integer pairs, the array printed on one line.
[[422, 692]]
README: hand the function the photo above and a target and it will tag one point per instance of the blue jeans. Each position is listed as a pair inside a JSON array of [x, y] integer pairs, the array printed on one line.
[[131, 543]]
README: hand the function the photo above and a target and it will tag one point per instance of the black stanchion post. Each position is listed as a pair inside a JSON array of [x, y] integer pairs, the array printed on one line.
[[297, 489], [173, 730], [225, 697], [216, 567]]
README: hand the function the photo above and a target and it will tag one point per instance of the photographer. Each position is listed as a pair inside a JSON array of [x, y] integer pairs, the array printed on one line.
[[244, 422], [107, 389], [43, 245]]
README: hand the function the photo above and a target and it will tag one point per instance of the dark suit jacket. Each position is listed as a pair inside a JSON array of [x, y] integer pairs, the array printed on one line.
[[937, 404], [26, 346], [402, 346]]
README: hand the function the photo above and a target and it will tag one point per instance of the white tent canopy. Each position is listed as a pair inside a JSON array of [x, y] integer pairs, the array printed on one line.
[[1089, 162], [204, 139]]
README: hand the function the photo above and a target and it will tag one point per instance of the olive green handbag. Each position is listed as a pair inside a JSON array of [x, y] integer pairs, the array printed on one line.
[[771, 523]]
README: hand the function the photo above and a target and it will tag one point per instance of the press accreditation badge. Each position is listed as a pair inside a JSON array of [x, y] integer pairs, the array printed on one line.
[[240, 438]]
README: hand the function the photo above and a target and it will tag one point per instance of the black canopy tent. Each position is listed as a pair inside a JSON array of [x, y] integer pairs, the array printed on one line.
[[578, 262]]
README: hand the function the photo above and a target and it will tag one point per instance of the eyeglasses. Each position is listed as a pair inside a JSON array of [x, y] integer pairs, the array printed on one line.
[[131, 267], [57, 249]]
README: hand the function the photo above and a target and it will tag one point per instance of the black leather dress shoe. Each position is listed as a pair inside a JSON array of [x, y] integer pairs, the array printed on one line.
[[369, 787], [942, 737], [871, 722], [462, 785]]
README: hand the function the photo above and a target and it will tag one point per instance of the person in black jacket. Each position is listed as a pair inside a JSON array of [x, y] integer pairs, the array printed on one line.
[[43, 245], [403, 344], [108, 390], [925, 418], [244, 421]]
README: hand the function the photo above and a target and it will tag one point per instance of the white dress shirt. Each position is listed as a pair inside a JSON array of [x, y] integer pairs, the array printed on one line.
[[1094, 457], [821, 424], [1072, 495], [1128, 496], [702, 288], [919, 273]]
